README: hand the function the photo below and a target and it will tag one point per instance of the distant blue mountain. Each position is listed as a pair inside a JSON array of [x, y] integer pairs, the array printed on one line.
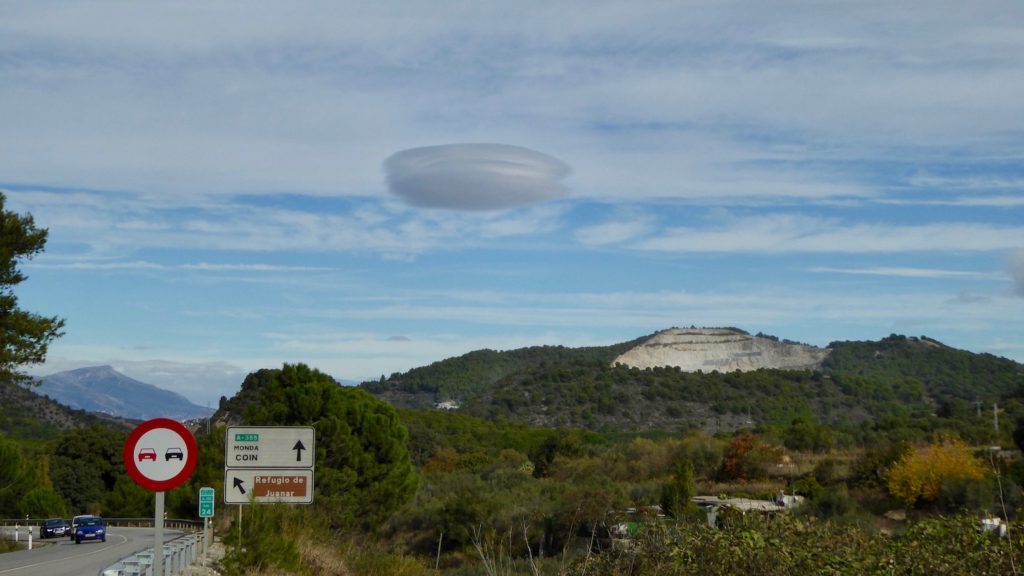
[[103, 389]]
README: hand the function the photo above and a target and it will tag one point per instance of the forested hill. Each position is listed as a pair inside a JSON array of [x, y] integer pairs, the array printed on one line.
[[470, 375], [948, 374], [897, 377]]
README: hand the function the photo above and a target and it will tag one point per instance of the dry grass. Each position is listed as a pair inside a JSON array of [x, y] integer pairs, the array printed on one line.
[[319, 558]]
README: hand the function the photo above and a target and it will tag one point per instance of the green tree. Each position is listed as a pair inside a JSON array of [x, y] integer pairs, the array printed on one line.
[[85, 466], [363, 468], [128, 500], [806, 435], [41, 502], [677, 494], [24, 336], [12, 476]]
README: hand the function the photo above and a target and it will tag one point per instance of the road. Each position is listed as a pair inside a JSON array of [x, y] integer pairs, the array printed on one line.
[[62, 557]]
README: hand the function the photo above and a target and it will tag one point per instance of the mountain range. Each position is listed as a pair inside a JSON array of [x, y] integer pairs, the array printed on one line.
[[105, 390]]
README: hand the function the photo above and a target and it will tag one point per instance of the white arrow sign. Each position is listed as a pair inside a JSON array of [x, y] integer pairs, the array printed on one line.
[[269, 447]]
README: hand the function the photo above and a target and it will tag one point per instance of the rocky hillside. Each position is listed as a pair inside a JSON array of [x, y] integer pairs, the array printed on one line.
[[722, 349]]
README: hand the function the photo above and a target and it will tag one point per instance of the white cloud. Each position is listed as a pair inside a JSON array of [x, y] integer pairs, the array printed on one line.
[[99, 265], [195, 100], [474, 176], [781, 233], [910, 272], [55, 263], [614, 232], [206, 266], [967, 182]]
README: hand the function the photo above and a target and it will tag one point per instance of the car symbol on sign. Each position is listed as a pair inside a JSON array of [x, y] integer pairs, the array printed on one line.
[[173, 453], [147, 454]]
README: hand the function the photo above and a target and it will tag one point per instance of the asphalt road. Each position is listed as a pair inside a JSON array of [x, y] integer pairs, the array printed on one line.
[[62, 557]]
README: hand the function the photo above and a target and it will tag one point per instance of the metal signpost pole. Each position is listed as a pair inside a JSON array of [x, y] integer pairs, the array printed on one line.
[[160, 454], [158, 536], [206, 539]]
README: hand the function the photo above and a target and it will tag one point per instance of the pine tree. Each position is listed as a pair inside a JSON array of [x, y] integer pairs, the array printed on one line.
[[24, 336]]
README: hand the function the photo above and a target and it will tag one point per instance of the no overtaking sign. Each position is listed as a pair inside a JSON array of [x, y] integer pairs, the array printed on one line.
[[160, 454]]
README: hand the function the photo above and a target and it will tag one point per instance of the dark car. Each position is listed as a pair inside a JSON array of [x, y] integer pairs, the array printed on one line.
[[90, 528], [53, 528]]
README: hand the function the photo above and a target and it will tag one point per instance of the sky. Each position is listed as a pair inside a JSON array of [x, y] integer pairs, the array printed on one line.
[[368, 187]]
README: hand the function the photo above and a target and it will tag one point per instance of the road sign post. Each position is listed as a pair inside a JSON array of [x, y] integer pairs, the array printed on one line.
[[272, 464], [206, 502], [206, 499], [160, 454]]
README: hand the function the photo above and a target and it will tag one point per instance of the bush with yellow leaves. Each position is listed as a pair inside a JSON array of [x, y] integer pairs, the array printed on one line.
[[921, 472]]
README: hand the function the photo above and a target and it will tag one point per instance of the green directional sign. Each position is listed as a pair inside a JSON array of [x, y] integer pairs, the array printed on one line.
[[206, 502]]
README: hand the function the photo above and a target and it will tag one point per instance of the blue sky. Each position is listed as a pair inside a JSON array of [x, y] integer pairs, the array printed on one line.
[[370, 187]]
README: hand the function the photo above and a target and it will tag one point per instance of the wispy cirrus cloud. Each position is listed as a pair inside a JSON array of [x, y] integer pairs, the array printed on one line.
[[96, 265], [910, 272], [980, 201], [201, 266], [614, 232], [211, 267], [794, 233]]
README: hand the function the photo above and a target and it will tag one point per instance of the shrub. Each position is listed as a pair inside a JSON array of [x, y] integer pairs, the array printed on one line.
[[749, 458], [921, 473]]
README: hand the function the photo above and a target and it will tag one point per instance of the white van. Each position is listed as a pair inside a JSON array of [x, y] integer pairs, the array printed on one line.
[[74, 524]]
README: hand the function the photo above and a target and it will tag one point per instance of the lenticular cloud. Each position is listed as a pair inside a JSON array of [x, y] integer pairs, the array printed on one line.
[[474, 176]]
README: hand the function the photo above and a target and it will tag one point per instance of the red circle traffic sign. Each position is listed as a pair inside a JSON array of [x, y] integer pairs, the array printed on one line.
[[160, 454]]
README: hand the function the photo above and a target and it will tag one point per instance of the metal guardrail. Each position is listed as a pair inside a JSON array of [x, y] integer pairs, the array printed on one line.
[[179, 554]]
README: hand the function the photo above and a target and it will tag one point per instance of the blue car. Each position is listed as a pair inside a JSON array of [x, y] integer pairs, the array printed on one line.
[[90, 528]]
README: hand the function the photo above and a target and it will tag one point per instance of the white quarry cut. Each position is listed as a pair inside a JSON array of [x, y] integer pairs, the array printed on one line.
[[721, 349]]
